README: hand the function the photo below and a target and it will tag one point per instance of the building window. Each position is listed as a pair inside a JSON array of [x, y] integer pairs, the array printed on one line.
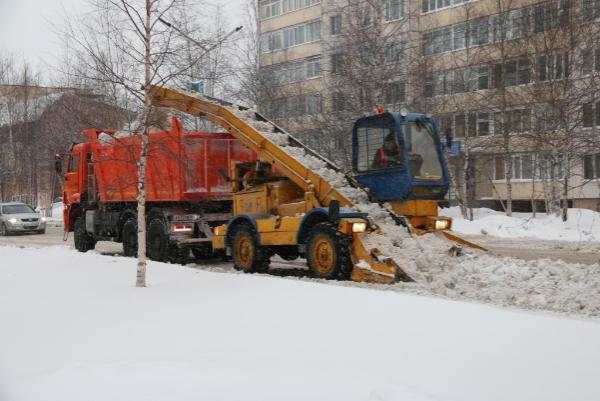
[[517, 72], [273, 8], [293, 36], [393, 9], [590, 60], [335, 24], [590, 9], [591, 114], [499, 173], [337, 60], [394, 52], [338, 101], [395, 92], [313, 104], [286, 73], [554, 66], [591, 166], [432, 5], [522, 167], [364, 16]]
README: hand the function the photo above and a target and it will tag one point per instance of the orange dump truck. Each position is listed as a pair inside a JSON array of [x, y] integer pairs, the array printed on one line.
[[186, 193]]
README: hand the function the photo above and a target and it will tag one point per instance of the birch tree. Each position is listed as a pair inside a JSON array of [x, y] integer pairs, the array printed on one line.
[[125, 48]]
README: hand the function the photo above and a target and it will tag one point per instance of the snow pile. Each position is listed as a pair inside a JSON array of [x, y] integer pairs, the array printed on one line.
[[582, 224], [80, 331], [542, 284]]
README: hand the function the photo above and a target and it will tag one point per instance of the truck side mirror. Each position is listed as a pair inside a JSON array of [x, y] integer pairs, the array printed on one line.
[[58, 164]]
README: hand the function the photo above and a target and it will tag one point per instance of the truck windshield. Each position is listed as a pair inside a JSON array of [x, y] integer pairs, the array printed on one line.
[[420, 142], [16, 209]]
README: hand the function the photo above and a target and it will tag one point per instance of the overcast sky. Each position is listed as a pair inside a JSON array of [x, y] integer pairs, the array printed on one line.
[[26, 26]]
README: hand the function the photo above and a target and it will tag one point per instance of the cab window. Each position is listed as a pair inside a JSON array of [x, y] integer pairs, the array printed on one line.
[[73, 164], [378, 147]]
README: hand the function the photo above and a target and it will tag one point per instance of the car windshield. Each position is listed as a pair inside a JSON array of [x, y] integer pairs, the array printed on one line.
[[16, 209], [420, 142]]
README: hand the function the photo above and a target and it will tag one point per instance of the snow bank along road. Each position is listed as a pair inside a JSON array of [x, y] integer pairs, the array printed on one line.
[[74, 328], [539, 284]]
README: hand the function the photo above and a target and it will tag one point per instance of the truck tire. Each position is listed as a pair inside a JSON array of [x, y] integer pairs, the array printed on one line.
[[129, 236], [246, 254], [83, 241], [327, 253], [157, 239]]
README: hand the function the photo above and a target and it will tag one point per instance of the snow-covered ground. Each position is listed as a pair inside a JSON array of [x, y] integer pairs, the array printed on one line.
[[75, 328], [582, 224]]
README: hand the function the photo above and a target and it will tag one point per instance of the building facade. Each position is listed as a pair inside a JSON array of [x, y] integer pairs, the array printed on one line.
[[516, 82]]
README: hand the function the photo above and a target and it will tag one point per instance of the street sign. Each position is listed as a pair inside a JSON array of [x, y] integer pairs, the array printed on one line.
[[455, 149], [196, 86]]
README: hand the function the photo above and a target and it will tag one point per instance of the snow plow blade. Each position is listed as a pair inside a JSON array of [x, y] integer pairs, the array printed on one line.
[[270, 142], [462, 241]]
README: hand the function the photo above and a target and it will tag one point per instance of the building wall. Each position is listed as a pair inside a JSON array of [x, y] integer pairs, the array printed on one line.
[[416, 25]]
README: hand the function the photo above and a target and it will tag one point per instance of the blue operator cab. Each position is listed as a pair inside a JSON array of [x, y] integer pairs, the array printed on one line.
[[399, 157]]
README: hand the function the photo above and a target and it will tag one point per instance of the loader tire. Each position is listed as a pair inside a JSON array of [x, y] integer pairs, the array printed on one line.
[[328, 253], [129, 236], [246, 254], [83, 241], [157, 239]]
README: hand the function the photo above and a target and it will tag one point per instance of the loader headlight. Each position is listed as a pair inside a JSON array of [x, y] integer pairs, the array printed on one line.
[[441, 224], [359, 227]]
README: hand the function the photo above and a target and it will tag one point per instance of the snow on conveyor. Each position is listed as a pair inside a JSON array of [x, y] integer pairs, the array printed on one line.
[[540, 284]]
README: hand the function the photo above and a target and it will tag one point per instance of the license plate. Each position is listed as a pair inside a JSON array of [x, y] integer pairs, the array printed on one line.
[[31, 225]]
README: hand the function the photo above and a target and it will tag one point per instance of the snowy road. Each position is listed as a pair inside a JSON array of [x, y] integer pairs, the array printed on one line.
[[74, 327], [528, 249]]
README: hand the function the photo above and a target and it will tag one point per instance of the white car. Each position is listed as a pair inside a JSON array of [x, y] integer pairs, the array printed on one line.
[[16, 217]]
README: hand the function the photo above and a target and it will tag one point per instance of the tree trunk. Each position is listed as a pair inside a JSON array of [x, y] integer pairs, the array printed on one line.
[[141, 264], [508, 169]]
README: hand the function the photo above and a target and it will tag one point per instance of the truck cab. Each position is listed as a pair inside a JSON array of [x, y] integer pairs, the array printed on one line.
[[75, 181]]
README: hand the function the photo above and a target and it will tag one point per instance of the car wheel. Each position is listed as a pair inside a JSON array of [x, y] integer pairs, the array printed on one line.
[[3, 230], [42, 231]]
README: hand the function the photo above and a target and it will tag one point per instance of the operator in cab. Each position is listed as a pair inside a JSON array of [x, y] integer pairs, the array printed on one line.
[[389, 154]]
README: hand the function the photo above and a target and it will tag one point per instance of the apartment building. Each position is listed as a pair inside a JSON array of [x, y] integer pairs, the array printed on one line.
[[517, 82]]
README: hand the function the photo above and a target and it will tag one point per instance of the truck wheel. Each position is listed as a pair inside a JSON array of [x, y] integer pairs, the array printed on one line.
[[129, 237], [83, 241], [247, 255], [157, 240], [327, 253]]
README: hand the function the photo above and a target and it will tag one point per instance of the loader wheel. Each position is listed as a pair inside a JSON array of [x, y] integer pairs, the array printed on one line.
[[157, 240], [247, 255], [327, 253], [129, 237], [83, 241]]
